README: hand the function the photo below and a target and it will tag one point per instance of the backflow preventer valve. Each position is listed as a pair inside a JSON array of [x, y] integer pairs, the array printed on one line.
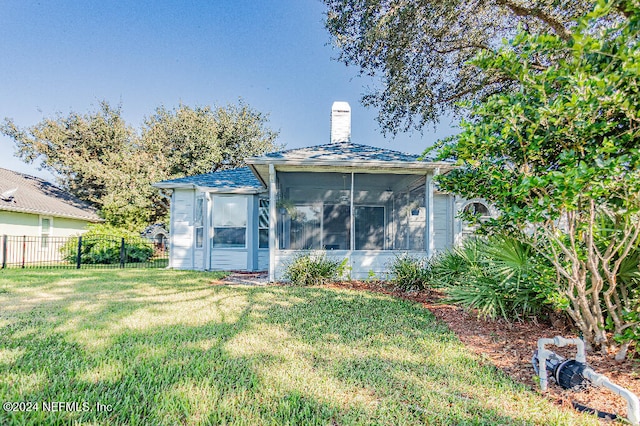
[[575, 374]]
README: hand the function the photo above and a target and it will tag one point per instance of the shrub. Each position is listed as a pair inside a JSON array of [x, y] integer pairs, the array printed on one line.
[[101, 244], [409, 273], [500, 276], [314, 269]]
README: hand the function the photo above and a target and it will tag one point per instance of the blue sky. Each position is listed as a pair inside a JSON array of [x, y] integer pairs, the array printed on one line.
[[62, 56]]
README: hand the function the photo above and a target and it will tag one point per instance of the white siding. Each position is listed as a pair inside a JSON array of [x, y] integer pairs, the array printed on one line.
[[263, 259], [229, 260], [443, 225], [182, 229], [361, 262]]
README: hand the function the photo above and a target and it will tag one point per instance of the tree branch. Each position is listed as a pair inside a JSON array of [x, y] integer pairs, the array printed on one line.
[[538, 13]]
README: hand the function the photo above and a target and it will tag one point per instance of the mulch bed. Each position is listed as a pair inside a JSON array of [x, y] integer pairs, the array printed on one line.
[[510, 346]]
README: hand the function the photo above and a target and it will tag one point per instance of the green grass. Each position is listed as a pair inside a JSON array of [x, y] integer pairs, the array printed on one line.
[[166, 347]]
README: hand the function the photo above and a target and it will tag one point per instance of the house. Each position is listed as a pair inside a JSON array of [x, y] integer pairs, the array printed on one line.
[[37, 212], [158, 234], [353, 201]]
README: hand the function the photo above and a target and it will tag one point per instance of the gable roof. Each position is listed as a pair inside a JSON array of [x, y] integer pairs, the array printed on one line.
[[240, 180], [37, 196]]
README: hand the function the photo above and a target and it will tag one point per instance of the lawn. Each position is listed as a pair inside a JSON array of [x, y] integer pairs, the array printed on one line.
[[167, 347]]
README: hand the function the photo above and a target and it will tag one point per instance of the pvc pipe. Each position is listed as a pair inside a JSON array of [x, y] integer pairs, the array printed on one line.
[[633, 405], [543, 354]]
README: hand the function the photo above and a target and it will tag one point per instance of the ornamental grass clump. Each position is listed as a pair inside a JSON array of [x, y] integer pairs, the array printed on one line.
[[314, 269], [409, 273]]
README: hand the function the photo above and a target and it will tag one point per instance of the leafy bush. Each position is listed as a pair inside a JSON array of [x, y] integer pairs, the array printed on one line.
[[500, 276], [101, 244], [629, 275], [314, 269], [409, 273]]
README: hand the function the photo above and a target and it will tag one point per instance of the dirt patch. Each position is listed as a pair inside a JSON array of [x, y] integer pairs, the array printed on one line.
[[243, 278], [510, 346]]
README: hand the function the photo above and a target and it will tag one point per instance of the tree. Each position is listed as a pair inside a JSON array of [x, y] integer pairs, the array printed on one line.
[[419, 50], [100, 159], [200, 140], [560, 158], [76, 148]]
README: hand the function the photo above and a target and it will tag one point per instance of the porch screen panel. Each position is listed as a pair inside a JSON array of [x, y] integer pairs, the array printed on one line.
[[314, 210], [229, 222], [388, 209], [369, 227], [304, 227]]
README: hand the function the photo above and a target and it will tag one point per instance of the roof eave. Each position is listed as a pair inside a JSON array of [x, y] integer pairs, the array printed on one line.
[[167, 185], [94, 219], [245, 191], [204, 188], [426, 165], [257, 174]]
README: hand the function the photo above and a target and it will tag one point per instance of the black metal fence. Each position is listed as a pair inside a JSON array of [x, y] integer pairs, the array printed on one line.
[[101, 251]]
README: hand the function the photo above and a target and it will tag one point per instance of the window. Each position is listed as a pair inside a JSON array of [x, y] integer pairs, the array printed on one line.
[[263, 223], [477, 209], [199, 222], [45, 231], [229, 222]]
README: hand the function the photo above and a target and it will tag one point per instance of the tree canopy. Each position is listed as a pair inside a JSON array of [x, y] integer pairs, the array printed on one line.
[[102, 160], [418, 51], [559, 157]]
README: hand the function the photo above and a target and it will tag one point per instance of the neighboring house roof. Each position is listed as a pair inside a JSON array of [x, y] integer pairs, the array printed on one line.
[[240, 180], [37, 196], [344, 154]]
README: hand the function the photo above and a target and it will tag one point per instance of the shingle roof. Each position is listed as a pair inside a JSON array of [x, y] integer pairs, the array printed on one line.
[[37, 196], [241, 178], [341, 151]]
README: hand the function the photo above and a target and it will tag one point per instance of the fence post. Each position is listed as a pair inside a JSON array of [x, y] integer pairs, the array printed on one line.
[[122, 253], [79, 255], [24, 248], [4, 251]]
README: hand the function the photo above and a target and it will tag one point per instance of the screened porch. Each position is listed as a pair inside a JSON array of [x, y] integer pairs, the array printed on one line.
[[351, 211], [367, 217]]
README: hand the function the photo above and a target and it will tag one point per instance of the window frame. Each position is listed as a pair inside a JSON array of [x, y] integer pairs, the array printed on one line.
[[198, 223], [214, 227], [263, 210], [44, 237]]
